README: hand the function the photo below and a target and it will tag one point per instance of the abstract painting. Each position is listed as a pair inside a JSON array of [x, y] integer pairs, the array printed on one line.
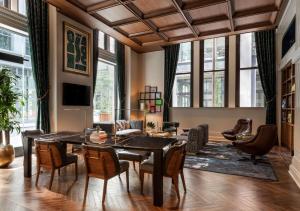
[[76, 50]]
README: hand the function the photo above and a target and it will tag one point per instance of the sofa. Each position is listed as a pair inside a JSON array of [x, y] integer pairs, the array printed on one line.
[[196, 137], [123, 127]]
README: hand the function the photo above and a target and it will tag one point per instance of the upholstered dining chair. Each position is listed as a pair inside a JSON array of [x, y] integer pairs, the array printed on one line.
[[51, 155], [243, 126], [103, 163], [173, 166]]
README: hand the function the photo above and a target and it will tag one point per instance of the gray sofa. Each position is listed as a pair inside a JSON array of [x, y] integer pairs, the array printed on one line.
[[196, 138], [123, 127]]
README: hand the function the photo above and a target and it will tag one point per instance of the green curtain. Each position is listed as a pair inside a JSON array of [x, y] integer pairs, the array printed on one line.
[[171, 58], [37, 13], [120, 74], [266, 59], [95, 57]]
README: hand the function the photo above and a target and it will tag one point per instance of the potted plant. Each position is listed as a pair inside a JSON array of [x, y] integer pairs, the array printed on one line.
[[9, 97]]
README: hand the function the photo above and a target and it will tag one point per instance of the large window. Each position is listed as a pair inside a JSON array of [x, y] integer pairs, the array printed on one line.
[[15, 5], [105, 91], [182, 94], [249, 86], [17, 59], [213, 66]]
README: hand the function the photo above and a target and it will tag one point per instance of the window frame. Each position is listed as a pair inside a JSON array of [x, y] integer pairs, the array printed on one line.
[[201, 75], [237, 73], [191, 73]]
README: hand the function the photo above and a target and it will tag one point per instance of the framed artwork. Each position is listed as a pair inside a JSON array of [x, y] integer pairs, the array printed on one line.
[[76, 50], [158, 95], [152, 95], [152, 109], [142, 97], [153, 89]]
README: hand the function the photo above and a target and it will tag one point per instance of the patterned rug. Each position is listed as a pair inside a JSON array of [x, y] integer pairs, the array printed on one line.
[[217, 157]]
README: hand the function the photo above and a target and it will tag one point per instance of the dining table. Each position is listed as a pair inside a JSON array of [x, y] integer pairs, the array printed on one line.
[[155, 145]]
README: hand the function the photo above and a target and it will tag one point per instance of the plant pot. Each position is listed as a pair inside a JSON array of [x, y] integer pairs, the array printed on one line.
[[7, 155]]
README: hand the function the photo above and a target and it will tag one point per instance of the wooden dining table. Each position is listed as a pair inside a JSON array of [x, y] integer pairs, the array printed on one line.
[[145, 143]]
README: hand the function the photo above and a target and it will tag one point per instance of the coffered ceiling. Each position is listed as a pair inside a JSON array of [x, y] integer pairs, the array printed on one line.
[[150, 24]]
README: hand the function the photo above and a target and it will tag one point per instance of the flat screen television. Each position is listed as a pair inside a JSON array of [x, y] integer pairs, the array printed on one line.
[[76, 95]]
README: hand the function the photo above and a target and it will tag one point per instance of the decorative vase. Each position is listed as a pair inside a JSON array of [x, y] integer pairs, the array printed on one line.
[[7, 152]]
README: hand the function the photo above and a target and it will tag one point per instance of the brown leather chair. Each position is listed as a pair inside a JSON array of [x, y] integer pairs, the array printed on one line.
[[261, 143], [133, 155], [173, 166], [103, 163], [51, 155], [243, 126]]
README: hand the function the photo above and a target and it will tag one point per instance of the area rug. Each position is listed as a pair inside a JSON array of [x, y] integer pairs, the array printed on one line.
[[217, 157]]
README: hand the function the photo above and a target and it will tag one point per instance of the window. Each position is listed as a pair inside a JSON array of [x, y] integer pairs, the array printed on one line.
[[17, 45], [15, 5], [213, 65], [249, 86], [104, 97], [105, 91], [182, 94], [22, 7]]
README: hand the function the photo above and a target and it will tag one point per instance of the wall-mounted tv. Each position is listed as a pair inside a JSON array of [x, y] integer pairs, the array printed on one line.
[[289, 38], [76, 95]]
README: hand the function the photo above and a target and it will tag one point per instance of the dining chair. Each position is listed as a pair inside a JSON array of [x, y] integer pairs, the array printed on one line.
[[51, 155], [173, 166], [103, 163]]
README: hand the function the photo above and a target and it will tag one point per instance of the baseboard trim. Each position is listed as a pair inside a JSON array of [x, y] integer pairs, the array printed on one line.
[[295, 174]]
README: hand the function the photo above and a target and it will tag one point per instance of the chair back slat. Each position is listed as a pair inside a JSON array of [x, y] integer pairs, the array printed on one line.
[[101, 162], [174, 159], [48, 153]]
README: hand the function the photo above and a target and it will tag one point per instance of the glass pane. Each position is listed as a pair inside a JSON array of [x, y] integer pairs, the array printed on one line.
[[16, 44], [184, 58], [101, 40], [247, 50], [208, 54], [111, 44], [2, 3], [104, 97], [219, 89], [251, 92], [220, 53], [181, 91], [208, 89], [22, 7]]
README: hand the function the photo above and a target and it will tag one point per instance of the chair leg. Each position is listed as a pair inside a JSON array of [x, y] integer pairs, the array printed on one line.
[[176, 186], [76, 171], [127, 180], [142, 181], [104, 191], [51, 179], [183, 180], [37, 175], [86, 187]]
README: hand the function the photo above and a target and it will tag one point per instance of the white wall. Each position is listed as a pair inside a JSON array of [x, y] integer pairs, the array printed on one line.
[[294, 56], [152, 64], [70, 118]]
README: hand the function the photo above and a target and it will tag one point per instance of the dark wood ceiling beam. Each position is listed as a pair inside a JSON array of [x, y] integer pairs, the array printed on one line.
[[213, 32], [101, 6], [201, 4], [139, 15], [186, 17], [100, 18], [255, 11], [138, 34], [281, 10], [253, 25], [124, 22], [160, 13], [172, 27], [230, 12]]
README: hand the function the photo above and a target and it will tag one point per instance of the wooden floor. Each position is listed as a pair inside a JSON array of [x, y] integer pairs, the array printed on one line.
[[205, 191]]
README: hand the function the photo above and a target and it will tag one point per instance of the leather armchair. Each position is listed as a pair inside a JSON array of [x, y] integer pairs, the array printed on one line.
[[243, 126], [261, 143]]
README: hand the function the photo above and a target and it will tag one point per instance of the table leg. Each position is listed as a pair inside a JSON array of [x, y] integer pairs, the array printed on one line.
[[27, 146], [158, 178]]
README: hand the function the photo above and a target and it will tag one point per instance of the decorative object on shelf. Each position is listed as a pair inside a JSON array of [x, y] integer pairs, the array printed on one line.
[[289, 118], [150, 100], [293, 88], [283, 104], [151, 125], [9, 97], [76, 50]]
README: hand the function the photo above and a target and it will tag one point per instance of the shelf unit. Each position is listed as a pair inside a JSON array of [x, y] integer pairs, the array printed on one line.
[[288, 88]]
